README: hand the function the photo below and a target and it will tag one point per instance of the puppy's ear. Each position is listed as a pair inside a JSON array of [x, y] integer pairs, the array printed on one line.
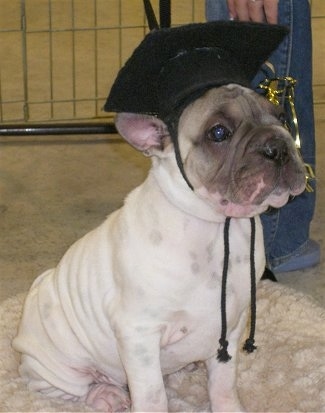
[[146, 133]]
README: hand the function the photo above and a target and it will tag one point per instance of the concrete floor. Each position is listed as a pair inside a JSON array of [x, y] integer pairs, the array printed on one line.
[[52, 194]]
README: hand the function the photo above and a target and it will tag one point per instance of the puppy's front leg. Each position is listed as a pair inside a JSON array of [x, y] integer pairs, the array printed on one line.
[[222, 384], [141, 359]]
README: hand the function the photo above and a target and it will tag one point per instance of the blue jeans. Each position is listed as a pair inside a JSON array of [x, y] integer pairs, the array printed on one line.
[[286, 231]]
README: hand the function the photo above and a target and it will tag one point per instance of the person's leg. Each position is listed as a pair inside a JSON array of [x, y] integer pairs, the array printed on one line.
[[216, 10], [286, 231]]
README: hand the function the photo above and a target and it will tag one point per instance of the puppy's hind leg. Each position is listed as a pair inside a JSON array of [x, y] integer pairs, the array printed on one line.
[[107, 397]]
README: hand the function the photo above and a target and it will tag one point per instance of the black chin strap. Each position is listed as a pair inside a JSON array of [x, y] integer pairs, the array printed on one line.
[[165, 21], [223, 355], [173, 132]]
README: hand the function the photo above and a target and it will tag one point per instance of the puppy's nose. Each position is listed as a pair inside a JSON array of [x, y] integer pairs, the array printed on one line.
[[276, 150]]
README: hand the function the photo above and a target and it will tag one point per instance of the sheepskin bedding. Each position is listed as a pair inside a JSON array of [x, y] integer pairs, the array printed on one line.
[[285, 374]]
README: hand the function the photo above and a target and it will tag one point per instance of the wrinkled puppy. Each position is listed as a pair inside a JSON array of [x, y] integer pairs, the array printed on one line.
[[139, 297]]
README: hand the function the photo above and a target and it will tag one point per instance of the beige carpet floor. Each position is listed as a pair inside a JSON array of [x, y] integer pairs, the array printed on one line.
[[285, 374]]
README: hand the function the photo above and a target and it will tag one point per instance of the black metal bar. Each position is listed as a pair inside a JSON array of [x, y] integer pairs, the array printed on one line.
[[165, 13], [57, 129], [151, 17]]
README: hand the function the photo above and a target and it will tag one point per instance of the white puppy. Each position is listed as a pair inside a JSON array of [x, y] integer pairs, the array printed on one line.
[[139, 297]]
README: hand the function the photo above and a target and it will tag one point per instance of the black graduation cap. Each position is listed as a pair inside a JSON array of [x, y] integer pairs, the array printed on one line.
[[171, 64]]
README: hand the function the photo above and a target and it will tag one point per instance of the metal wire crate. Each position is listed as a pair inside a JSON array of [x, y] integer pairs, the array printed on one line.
[[59, 57]]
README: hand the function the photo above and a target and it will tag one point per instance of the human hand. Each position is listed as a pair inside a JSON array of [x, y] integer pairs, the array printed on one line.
[[254, 10]]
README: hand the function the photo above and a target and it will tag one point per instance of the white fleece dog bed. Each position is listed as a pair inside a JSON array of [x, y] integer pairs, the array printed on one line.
[[285, 374]]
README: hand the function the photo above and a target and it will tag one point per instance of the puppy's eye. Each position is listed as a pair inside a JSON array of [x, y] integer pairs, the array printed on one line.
[[218, 133]]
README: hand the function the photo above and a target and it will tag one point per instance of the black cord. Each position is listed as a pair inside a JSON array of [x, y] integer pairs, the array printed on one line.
[[249, 343], [164, 13], [223, 354], [172, 125], [249, 346], [151, 18]]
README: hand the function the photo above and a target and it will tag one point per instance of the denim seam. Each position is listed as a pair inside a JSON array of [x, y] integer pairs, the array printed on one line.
[[275, 262]]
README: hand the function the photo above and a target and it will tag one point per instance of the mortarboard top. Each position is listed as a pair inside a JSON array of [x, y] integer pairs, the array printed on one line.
[[171, 64]]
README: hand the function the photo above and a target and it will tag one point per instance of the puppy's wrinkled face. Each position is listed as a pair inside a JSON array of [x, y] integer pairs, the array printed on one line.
[[237, 154]]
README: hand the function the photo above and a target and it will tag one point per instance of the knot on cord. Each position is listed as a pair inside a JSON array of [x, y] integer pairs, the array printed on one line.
[[249, 346], [223, 354]]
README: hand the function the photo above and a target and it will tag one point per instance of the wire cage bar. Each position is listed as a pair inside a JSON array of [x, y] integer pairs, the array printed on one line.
[[59, 59]]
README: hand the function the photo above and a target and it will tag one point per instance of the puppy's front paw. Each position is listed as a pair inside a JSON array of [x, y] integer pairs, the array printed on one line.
[[228, 408], [225, 404]]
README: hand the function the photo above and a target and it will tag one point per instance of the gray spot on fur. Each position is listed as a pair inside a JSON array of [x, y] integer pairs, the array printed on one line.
[[193, 255], [241, 259], [209, 249], [46, 310], [141, 353], [213, 281], [238, 259], [155, 237], [195, 268]]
